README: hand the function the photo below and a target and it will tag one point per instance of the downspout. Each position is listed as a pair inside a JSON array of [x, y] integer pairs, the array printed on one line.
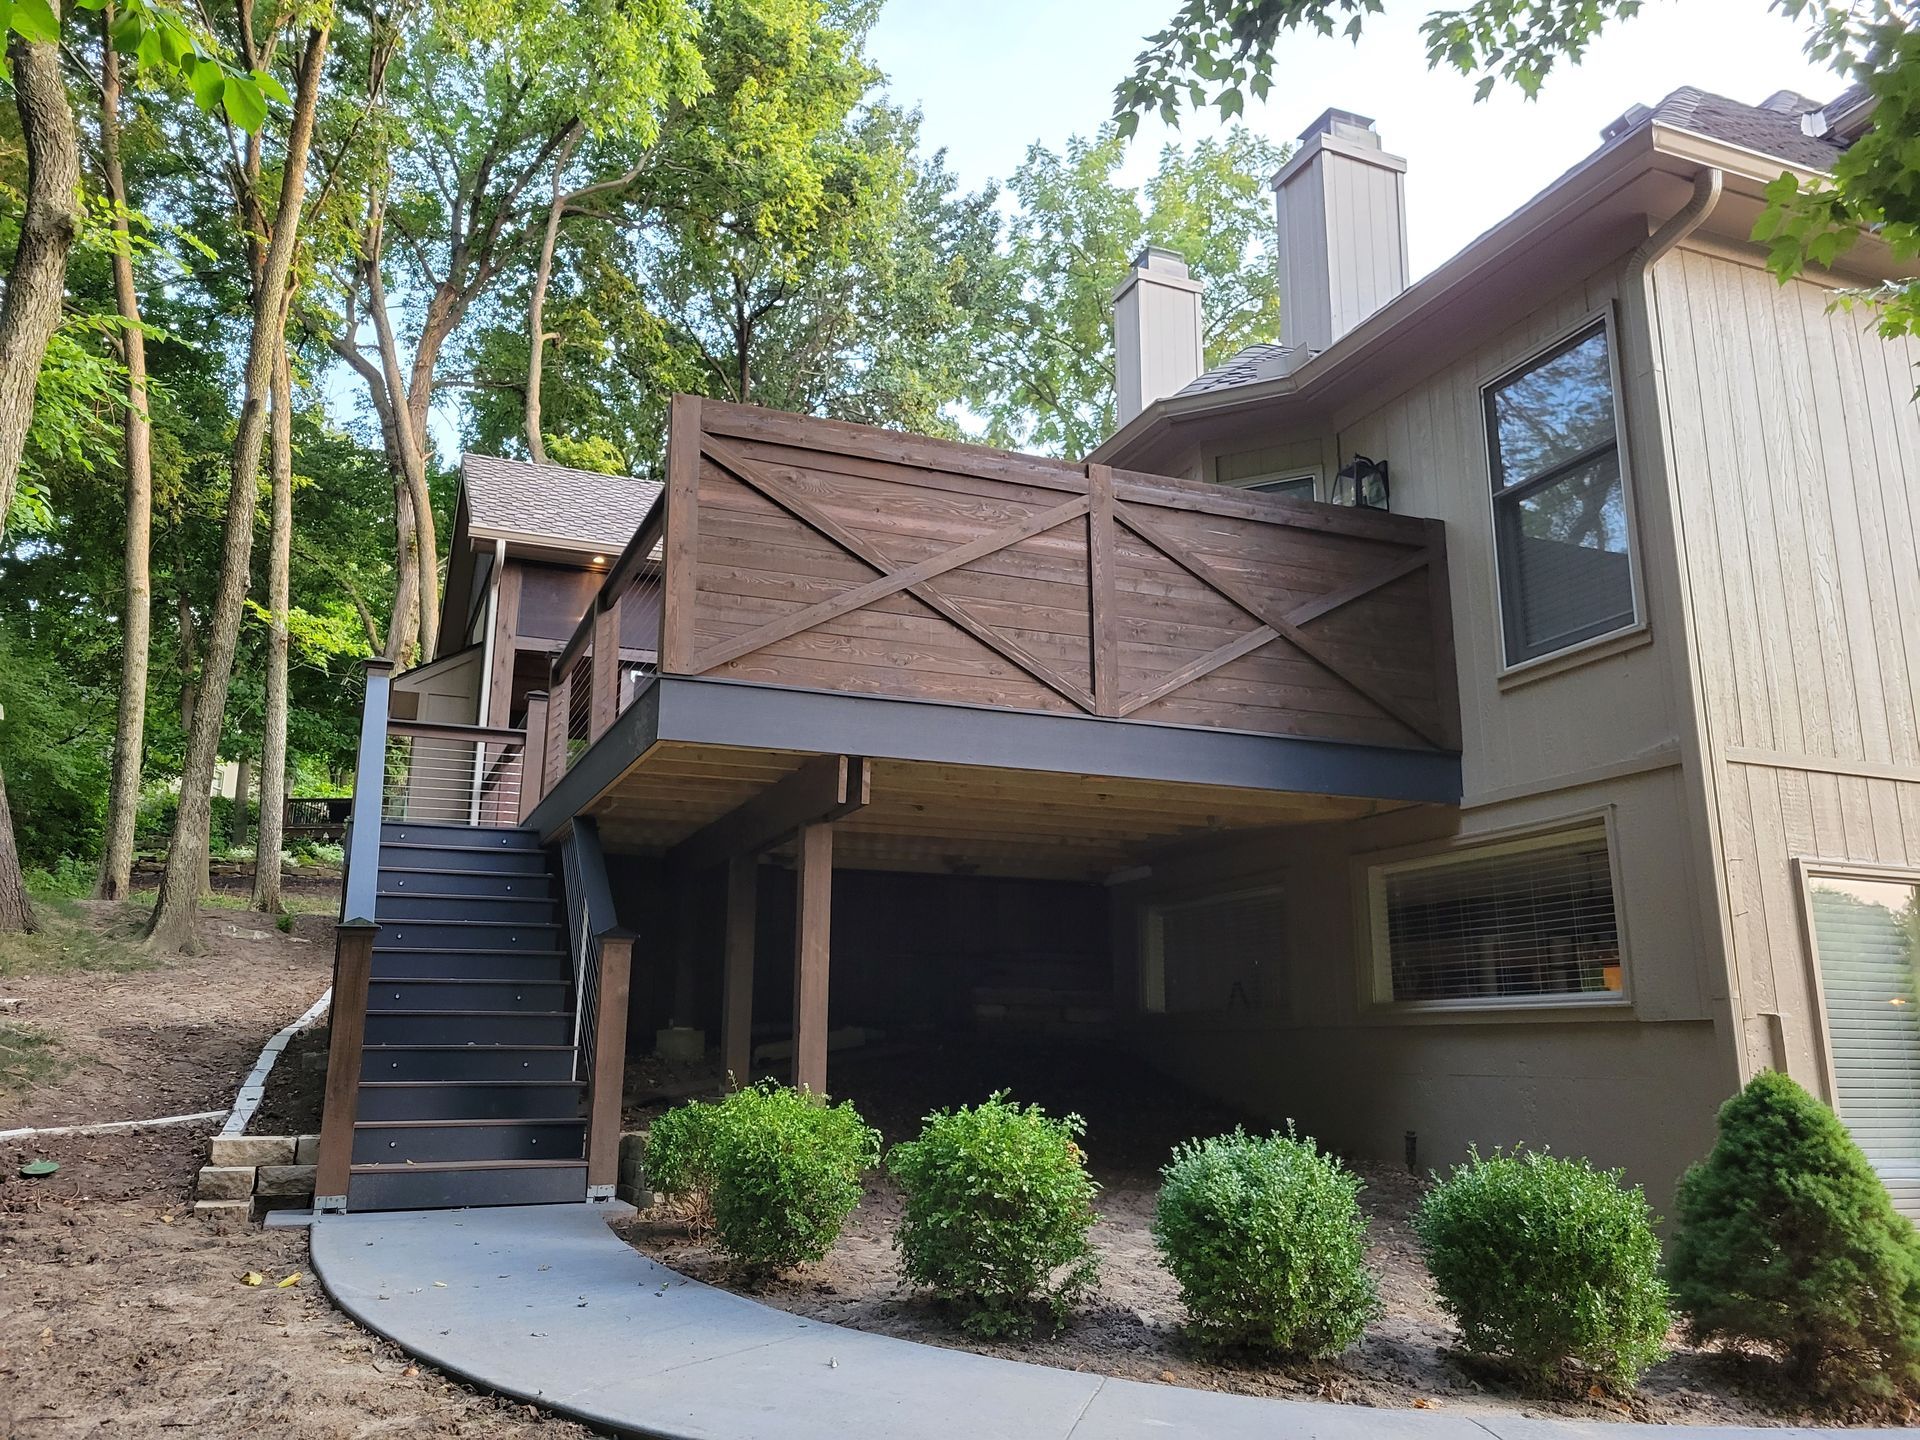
[[1696, 740]]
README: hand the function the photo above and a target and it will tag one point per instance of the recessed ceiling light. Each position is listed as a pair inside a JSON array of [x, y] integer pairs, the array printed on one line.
[[599, 559]]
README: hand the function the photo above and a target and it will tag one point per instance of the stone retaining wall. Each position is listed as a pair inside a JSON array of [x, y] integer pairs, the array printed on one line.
[[249, 1173]]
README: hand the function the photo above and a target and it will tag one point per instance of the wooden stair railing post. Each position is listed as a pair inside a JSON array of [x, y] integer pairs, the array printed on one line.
[[607, 1083], [604, 703], [533, 759], [353, 947], [555, 758], [346, 1039]]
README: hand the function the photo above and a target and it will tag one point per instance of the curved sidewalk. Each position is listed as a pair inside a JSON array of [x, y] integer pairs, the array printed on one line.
[[546, 1304]]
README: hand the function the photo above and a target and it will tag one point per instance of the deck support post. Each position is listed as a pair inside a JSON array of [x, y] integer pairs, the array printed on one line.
[[812, 946], [736, 1005], [533, 756], [346, 1039]]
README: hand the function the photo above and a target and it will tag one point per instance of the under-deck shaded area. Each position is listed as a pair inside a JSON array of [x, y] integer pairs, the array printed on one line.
[[844, 683]]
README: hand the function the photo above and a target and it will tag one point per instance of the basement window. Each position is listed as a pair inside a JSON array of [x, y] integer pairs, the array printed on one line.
[[1522, 922], [1214, 954], [1560, 519]]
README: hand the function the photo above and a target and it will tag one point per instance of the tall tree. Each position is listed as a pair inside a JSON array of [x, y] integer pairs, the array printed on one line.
[[1045, 379], [273, 746], [136, 612], [174, 925], [1213, 52]]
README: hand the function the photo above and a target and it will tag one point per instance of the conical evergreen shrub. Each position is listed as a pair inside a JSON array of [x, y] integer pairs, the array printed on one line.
[[1786, 1238]]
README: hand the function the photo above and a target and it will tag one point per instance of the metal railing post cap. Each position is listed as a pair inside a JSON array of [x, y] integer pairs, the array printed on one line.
[[356, 924], [377, 665], [536, 695]]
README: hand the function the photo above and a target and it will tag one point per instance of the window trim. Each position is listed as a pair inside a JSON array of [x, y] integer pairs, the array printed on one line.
[[1806, 869], [1376, 979], [1153, 967], [1605, 642]]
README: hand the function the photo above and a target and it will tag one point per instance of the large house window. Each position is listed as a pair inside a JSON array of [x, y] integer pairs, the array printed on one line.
[[1526, 921], [1866, 934], [1217, 953], [1559, 500]]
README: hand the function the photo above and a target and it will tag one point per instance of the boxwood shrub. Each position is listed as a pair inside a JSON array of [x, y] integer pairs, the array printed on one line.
[[998, 1206], [1786, 1239], [1264, 1235], [1545, 1261], [778, 1170]]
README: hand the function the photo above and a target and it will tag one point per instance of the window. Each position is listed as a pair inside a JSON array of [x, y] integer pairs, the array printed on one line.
[[1523, 921], [1559, 500], [1300, 487], [1866, 934], [1218, 953]]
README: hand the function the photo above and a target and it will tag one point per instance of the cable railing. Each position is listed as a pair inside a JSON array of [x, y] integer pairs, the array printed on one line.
[[452, 774]]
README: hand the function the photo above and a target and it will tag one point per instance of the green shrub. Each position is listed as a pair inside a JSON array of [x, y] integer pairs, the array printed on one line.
[[1544, 1261], [779, 1169], [67, 878], [1786, 1238], [1264, 1235], [998, 1206]]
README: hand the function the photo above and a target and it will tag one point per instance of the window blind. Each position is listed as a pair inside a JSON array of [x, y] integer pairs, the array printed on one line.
[[1218, 953], [1867, 935], [1512, 921]]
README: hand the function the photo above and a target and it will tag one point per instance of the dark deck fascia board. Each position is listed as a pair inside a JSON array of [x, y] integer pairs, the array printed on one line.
[[769, 717]]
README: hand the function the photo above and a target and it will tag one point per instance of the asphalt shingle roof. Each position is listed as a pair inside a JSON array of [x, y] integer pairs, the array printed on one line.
[[1771, 127], [1259, 361], [574, 507]]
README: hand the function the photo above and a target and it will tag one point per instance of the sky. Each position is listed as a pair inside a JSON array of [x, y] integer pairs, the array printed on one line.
[[993, 76]]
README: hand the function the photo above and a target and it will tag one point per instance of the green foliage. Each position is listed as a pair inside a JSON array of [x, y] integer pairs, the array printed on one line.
[[780, 1168], [65, 879], [998, 1206], [1214, 51], [1045, 375], [1264, 1235], [1786, 1239], [1544, 1261]]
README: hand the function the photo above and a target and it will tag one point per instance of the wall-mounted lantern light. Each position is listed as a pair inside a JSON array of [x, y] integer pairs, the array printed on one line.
[[1361, 482]]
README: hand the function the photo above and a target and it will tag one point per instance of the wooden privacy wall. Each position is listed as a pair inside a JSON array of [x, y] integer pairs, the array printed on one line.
[[829, 556]]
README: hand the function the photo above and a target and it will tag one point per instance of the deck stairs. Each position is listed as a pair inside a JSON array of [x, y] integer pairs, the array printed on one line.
[[468, 1090]]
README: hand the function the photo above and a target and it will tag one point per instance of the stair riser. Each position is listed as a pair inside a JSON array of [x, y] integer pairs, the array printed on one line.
[[405, 934], [447, 1189], [513, 1140], [444, 881], [473, 862], [465, 995], [532, 967], [417, 832], [469, 1102], [499, 1062], [535, 910], [388, 1028]]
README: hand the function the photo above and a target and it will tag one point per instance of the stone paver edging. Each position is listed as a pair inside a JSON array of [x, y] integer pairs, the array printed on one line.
[[546, 1304]]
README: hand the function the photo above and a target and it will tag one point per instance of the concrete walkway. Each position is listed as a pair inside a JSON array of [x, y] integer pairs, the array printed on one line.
[[546, 1304]]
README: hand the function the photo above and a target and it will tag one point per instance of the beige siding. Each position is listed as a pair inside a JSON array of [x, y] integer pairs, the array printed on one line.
[[1611, 734], [1796, 458]]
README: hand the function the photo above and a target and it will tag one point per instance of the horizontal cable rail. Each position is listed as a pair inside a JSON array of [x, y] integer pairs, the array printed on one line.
[[452, 774]]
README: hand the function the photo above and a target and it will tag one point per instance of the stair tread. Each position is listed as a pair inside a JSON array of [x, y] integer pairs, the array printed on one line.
[[390, 1167], [489, 1045], [486, 1084], [457, 980], [461, 950], [466, 1122], [464, 896], [480, 1014], [464, 849]]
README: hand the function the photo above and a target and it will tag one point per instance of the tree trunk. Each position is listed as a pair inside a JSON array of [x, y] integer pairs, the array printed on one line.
[[411, 432], [273, 747], [537, 302], [403, 630], [176, 920], [36, 285], [237, 812], [16, 914], [136, 613]]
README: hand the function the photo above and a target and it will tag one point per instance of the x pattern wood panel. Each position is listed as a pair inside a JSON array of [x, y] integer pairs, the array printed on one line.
[[1162, 522]]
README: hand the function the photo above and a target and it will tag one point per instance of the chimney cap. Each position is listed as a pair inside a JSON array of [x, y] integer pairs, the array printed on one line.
[[1161, 260], [1334, 116]]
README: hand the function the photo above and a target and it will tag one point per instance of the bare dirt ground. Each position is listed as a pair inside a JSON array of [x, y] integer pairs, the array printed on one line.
[[1130, 1327], [121, 1314]]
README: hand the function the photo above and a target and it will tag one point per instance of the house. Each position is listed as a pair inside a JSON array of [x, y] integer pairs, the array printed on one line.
[[1489, 713]]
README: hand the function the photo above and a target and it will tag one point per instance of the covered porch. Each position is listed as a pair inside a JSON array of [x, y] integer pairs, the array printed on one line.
[[838, 652]]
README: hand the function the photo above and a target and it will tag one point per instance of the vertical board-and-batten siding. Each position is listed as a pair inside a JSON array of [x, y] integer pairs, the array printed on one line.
[[1796, 455]]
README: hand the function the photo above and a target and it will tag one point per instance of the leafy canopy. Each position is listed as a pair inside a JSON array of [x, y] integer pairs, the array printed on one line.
[[1213, 52]]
